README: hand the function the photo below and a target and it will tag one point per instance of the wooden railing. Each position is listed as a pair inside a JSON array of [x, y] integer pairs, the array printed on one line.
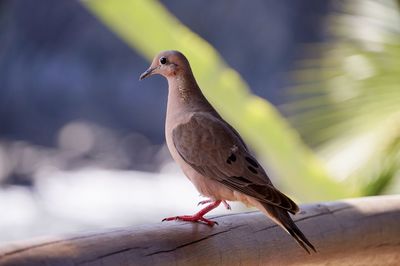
[[364, 231]]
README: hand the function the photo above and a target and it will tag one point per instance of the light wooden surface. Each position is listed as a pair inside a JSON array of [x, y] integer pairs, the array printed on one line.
[[363, 231]]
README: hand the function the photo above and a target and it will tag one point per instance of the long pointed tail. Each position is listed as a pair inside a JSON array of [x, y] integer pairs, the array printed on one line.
[[282, 218]]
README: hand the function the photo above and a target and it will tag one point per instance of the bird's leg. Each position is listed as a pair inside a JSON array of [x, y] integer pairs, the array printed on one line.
[[199, 216], [226, 204]]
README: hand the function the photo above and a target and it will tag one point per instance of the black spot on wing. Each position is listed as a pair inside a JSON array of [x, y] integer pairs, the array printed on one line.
[[242, 179], [254, 171], [252, 162], [231, 159]]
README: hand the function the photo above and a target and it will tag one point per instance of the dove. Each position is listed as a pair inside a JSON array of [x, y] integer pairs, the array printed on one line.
[[212, 154]]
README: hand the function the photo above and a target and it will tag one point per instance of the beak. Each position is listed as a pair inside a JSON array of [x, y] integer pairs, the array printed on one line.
[[147, 73]]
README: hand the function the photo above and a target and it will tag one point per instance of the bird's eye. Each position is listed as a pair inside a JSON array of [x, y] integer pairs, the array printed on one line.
[[163, 60]]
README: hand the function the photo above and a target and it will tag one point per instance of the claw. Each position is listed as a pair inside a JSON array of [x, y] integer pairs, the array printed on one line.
[[204, 202], [226, 204], [191, 218], [199, 217]]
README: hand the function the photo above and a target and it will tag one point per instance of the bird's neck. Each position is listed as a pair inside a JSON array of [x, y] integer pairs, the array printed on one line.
[[185, 95]]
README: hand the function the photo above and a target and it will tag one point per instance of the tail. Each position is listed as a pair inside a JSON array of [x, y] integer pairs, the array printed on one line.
[[282, 218]]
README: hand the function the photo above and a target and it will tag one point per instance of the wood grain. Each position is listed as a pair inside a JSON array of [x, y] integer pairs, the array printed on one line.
[[364, 231]]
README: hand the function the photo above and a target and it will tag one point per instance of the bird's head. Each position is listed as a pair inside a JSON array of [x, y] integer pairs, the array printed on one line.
[[168, 64]]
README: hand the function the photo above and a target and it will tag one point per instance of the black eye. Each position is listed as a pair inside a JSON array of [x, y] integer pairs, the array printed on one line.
[[163, 60]]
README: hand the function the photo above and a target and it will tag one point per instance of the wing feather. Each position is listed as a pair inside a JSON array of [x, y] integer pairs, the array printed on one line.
[[213, 149]]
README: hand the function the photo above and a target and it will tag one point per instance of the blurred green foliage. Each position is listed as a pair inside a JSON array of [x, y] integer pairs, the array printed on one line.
[[347, 105], [149, 28]]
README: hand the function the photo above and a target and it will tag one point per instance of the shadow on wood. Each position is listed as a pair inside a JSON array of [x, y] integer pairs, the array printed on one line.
[[364, 231]]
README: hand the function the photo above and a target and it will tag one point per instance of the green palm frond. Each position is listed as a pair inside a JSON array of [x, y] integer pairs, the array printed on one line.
[[352, 94]]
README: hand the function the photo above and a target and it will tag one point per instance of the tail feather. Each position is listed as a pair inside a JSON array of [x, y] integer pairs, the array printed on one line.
[[300, 238], [282, 218]]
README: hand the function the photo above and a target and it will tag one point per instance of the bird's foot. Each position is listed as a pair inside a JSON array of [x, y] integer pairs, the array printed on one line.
[[198, 217], [191, 218], [226, 204]]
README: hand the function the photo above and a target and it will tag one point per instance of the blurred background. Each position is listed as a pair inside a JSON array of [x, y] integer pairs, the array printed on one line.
[[312, 86]]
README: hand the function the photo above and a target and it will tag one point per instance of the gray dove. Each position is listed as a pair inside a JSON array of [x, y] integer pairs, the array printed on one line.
[[212, 154]]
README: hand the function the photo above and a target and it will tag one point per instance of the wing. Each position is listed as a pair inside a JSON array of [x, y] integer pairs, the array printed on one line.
[[216, 151]]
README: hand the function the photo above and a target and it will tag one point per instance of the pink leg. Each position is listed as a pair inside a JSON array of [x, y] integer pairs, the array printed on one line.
[[226, 204], [197, 217]]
